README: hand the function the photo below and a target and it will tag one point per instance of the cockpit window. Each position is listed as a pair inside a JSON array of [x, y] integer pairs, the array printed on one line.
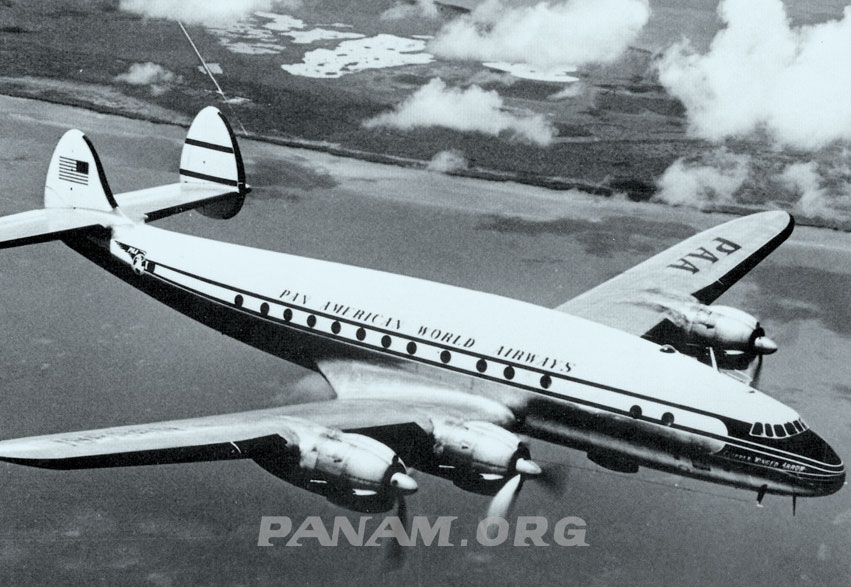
[[778, 430]]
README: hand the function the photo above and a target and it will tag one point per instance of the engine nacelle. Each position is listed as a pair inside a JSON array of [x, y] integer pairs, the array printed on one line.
[[352, 470], [727, 329], [479, 456]]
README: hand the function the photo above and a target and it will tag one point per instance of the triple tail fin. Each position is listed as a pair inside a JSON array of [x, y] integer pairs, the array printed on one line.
[[77, 196]]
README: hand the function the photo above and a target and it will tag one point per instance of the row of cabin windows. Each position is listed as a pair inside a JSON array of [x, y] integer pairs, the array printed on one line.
[[445, 356], [778, 430]]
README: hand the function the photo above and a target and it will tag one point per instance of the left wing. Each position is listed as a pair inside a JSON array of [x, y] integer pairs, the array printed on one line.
[[697, 270], [252, 434], [354, 452]]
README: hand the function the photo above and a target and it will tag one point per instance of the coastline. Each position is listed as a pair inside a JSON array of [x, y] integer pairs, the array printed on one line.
[[104, 99]]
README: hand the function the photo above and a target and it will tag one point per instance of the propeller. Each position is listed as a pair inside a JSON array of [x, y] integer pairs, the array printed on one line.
[[553, 479], [401, 484], [754, 371], [395, 555], [503, 502]]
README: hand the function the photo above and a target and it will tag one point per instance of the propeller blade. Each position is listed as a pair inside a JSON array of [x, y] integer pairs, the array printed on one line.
[[395, 552], [503, 502], [553, 479], [757, 372]]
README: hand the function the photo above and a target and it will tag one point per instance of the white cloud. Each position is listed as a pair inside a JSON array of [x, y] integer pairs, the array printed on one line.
[[804, 179], [706, 183], [208, 12], [471, 109], [448, 161], [149, 74], [547, 36], [823, 189], [486, 77], [760, 73], [408, 9], [573, 90]]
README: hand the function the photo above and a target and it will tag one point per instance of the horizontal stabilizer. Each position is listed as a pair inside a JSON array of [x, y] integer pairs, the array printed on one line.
[[38, 226], [158, 202]]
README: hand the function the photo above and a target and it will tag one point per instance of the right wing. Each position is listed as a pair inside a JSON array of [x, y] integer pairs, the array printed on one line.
[[697, 270]]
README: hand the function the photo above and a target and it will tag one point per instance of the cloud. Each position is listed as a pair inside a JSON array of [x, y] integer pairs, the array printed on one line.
[[804, 179], [149, 74], [487, 77], [823, 191], [547, 36], [448, 161], [705, 183], [761, 74], [573, 90], [207, 12], [471, 109], [411, 9]]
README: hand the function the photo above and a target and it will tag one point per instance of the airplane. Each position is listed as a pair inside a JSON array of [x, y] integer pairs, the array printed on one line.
[[640, 371]]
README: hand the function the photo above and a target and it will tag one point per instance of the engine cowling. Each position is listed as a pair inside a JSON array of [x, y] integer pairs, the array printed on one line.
[[479, 456], [352, 470], [727, 329]]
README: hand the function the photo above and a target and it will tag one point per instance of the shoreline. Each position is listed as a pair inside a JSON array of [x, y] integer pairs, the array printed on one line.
[[154, 114]]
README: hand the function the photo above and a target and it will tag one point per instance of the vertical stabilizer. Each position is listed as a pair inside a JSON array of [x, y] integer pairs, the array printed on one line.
[[211, 157], [75, 178]]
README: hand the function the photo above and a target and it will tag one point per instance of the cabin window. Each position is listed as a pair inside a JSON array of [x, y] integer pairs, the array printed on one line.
[[264, 308], [311, 320], [509, 372], [546, 381], [778, 430], [445, 356], [335, 327], [237, 301], [481, 365], [667, 418], [412, 347], [757, 429], [288, 315], [385, 341], [360, 334], [635, 412]]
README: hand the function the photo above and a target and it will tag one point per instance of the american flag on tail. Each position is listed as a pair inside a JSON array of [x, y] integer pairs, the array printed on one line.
[[73, 170]]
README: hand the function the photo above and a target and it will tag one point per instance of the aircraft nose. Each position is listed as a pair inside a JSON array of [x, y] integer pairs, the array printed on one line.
[[835, 482]]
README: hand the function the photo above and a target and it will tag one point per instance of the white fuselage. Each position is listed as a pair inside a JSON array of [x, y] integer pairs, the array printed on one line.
[[568, 379]]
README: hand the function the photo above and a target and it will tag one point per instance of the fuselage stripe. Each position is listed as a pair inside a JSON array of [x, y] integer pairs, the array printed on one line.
[[733, 441]]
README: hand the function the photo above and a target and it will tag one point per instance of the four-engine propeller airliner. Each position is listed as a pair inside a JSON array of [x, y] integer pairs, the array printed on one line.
[[639, 371]]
